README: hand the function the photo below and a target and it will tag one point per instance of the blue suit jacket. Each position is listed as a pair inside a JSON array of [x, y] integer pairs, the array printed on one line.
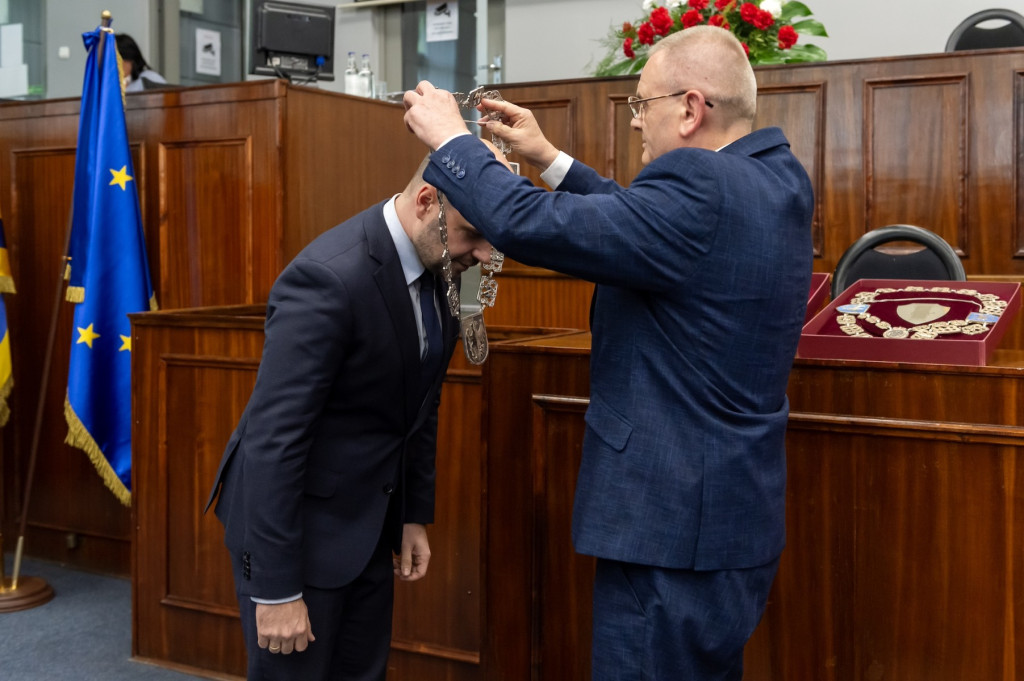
[[703, 266], [337, 423]]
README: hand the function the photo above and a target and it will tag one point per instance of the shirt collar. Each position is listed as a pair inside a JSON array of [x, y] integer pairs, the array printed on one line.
[[411, 265]]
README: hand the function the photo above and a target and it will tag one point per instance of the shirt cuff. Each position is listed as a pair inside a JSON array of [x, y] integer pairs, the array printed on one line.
[[275, 601], [453, 137], [556, 172]]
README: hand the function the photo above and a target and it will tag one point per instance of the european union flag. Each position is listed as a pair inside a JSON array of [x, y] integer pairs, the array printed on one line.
[[109, 274], [6, 368]]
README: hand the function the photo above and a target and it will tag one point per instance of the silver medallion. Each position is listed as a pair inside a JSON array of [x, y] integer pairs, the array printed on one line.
[[474, 337]]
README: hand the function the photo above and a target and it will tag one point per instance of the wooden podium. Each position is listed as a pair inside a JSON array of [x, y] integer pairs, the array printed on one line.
[[192, 373]]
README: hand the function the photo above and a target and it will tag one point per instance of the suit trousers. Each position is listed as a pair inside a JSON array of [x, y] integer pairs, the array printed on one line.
[[352, 626], [659, 624]]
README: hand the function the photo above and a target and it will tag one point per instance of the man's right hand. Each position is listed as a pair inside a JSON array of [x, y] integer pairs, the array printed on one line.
[[283, 627], [522, 132]]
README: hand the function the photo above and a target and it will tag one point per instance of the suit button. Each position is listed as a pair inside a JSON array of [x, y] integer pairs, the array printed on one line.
[[389, 488], [461, 174]]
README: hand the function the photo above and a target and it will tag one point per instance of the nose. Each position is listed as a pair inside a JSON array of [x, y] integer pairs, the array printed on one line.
[[634, 123]]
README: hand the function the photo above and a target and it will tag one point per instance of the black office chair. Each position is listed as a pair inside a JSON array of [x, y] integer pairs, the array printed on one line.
[[970, 36], [875, 256]]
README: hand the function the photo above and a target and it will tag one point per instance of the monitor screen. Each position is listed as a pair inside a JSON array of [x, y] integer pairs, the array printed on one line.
[[292, 40]]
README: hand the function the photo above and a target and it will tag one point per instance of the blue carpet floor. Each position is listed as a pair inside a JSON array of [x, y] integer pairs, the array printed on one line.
[[83, 634]]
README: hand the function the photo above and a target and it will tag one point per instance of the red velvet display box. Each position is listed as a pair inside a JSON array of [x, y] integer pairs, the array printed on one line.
[[822, 338], [816, 296]]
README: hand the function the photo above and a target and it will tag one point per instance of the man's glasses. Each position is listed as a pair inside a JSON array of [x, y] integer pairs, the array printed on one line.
[[636, 105]]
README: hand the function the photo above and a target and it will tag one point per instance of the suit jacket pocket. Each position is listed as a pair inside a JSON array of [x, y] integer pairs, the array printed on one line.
[[608, 424], [321, 483]]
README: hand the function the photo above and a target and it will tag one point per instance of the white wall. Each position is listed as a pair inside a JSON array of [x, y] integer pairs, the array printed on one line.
[[67, 20], [555, 39]]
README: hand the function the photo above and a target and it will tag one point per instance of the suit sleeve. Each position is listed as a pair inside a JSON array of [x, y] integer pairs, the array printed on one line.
[[420, 470], [308, 320], [648, 236]]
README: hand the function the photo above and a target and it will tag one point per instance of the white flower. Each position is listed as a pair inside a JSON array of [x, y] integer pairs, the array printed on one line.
[[650, 4], [773, 6], [677, 3]]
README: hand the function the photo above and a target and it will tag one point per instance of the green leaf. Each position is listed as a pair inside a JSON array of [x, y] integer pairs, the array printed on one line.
[[810, 27], [804, 53], [794, 9]]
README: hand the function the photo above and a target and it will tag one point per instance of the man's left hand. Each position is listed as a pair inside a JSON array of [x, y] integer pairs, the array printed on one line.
[[412, 564], [433, 115]]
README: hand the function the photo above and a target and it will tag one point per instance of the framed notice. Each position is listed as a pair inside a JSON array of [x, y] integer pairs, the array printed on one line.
[[442, 21], [207, 52]]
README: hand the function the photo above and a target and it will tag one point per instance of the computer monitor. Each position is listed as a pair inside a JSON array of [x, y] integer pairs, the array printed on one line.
[[291, 40]]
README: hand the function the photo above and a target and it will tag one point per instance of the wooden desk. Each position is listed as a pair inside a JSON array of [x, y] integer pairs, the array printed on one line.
[[905, 559]]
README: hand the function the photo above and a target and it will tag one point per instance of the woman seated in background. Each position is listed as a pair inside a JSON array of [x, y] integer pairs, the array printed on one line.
[[137, 70]]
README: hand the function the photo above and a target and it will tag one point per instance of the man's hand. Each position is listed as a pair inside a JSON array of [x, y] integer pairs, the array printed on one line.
[[433, 115], [283, 627], [522, 132], [412, 564]]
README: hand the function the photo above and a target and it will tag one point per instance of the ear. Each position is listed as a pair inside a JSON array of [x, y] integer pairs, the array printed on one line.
[[426, 197], [691, 116]]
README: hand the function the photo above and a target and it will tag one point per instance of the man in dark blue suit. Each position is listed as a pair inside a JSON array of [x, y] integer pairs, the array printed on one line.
[[330, 471], [702, 268]]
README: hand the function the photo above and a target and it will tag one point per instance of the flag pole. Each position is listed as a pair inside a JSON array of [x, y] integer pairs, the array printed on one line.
[[29, 592]]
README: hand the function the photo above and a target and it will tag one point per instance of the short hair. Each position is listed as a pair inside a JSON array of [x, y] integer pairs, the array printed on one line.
[[716, 59]]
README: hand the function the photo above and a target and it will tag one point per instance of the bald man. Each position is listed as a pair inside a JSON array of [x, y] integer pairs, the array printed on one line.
[[702, 266]]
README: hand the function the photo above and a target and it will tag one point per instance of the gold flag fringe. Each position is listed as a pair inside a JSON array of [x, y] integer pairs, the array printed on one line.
[[75, 294], [79, 437], [5, 392], [7, 284], [153, 307]]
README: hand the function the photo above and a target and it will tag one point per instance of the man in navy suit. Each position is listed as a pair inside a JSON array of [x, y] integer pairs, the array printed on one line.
[[331, 468], [702, 266]]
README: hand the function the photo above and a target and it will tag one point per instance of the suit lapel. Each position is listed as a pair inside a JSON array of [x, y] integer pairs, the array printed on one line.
[[390, 280]]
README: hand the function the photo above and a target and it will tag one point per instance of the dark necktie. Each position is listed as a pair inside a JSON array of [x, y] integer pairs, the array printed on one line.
[[432, 358]]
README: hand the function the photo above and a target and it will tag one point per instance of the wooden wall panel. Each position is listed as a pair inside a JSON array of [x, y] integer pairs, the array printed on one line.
[[206, 225], [341, 155], [437, 620], [562, 583], [915, 154], [626, 144], [1016, 223], [192, 386], [532, 450]]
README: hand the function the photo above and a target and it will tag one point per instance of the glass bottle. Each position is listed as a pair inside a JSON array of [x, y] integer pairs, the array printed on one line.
[[351, 76], [365, 78]]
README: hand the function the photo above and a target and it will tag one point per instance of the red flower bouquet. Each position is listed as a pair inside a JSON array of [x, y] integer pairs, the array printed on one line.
[[770, 31]]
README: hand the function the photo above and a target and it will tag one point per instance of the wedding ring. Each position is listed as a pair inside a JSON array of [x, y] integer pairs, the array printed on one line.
[[273, 649]]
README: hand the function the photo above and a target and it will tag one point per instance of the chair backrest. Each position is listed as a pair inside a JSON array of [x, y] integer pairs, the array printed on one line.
[[864, 260], [970, 36]]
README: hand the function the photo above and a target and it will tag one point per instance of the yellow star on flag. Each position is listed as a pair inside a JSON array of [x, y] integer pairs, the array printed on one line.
[[126, 343], [121, 177], [87, 336]]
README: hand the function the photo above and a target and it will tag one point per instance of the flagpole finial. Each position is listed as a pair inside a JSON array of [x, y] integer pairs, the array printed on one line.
[[105, 18]]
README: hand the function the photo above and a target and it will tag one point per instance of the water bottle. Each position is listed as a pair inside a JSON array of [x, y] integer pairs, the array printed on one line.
[[365, 78], [351, 76]]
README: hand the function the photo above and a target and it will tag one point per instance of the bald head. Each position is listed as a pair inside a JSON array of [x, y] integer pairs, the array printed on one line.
[[711, 60]]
